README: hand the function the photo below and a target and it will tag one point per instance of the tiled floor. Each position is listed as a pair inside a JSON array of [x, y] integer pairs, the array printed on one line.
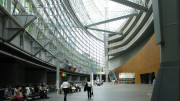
[[108, 92]]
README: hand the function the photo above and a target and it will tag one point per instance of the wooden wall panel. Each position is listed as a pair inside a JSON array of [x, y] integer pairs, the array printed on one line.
[[146, 61]]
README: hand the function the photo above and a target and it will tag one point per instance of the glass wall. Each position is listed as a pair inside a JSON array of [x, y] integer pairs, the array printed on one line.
[[68, 42]]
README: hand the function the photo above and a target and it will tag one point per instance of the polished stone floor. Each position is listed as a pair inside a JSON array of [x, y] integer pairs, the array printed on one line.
[[108, 92]]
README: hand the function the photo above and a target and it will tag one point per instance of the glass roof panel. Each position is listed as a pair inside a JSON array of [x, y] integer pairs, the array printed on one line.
[[97, 33], [93, 11]]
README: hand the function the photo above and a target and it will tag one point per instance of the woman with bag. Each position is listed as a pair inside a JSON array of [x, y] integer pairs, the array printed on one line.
[[88, 87], [85, 87]]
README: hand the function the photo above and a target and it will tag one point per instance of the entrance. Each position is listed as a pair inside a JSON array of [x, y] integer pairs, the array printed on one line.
[[147, 78]]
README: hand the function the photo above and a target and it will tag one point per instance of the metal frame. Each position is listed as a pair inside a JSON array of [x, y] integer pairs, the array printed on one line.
[[48, 29], [110, 20], [131, 4], [120, 33]]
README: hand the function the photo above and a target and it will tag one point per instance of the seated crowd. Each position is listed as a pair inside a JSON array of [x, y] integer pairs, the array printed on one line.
[[25, 93]]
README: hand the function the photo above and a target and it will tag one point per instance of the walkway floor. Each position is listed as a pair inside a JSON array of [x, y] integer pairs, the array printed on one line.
[[108, 92]]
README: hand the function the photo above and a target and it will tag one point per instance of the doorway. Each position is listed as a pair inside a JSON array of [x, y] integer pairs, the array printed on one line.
[[147, 78]]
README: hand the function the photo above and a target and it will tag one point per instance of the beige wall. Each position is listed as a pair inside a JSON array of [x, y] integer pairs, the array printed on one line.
[[146, 61]]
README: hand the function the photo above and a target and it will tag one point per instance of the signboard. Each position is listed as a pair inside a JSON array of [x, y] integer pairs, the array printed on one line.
[[126, 75]]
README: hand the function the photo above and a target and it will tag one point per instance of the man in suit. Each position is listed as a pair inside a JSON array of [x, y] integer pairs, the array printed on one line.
[[65, 86]]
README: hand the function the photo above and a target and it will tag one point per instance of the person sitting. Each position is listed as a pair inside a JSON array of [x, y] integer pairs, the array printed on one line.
[[28, 90], [70, 88], [43, 91], [18, 93], [45, 88], [8, 94], [77, 87], [35, 91], [73, 88], [24, 93]]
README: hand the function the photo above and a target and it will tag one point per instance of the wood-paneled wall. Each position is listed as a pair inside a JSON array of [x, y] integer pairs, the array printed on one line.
[[146, 61]]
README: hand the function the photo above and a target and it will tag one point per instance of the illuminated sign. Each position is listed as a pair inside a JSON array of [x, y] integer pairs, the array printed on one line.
[[63, 74], [126, 75]]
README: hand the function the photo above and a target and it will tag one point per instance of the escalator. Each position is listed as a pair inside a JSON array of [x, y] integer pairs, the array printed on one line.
[[112, 76]]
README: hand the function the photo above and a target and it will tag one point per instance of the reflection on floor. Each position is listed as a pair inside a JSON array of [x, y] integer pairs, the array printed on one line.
[[108, 92]]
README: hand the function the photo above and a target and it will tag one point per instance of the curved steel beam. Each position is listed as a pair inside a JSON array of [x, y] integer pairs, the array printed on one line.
[[114, 19], [120, 33]]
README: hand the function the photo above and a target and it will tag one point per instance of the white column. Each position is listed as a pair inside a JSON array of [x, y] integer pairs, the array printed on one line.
[[92, 79], [107, 68], [100, 77], [57, 76]]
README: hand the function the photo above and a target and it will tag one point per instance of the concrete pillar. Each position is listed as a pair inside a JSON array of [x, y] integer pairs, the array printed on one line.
[[100, 77], [92, 79], [106, 55], [167, 29], [57, 76]]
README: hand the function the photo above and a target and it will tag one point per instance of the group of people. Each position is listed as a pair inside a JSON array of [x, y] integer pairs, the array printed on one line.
[[20, 92], [23, 92], [65, 87]]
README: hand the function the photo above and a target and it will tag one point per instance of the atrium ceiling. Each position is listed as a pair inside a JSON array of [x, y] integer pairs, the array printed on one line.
[[104, 16]]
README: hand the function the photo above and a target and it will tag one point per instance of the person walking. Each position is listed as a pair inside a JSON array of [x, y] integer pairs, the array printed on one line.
[[65, 86], [154, 81], [89, 87]]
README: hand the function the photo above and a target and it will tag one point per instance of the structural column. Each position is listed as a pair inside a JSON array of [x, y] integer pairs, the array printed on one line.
[[57, 76], [100, 78], [167, 30], [106, 55], [92, 79]]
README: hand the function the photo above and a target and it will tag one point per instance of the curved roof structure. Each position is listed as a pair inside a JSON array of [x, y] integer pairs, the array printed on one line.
[[72, 31], [126, 21], [51, 34], [103, 15]]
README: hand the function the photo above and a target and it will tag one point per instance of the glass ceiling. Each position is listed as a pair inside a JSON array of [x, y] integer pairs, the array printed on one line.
[[93, 11]]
